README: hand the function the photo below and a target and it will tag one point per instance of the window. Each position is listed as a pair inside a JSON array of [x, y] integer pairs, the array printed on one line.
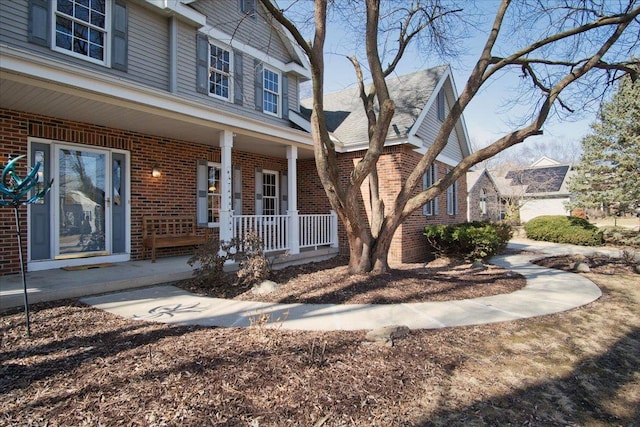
[[452, 198], [213, 193], [441, 106], [81, 28], [431, 208], [220, 61], [269, 193], [270, 92], [248, 7], [483, 201]]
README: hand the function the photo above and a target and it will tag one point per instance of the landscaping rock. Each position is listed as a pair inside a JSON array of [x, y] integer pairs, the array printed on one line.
[[265, 287], [387, 334], [478, 265], [581, 267]]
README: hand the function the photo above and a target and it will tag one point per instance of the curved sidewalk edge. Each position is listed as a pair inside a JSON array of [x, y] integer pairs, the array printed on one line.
[[547, 291]]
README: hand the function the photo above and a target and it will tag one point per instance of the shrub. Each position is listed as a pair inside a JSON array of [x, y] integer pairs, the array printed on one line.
[[621, 236], [563, 229], [210, 258], [254, 266], [470, 240]]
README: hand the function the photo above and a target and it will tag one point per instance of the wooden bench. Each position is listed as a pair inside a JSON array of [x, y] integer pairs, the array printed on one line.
[[170, 232]]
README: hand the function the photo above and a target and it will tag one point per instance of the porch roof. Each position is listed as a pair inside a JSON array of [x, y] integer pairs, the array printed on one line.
[[42, 85]]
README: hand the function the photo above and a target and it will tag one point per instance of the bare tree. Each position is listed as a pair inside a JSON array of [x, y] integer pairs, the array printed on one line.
[[577, 47]]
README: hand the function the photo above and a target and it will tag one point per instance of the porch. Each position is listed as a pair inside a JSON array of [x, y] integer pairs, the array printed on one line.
[[57, 284]]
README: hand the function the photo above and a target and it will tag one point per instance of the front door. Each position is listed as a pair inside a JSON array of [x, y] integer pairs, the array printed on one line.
[[84, 203], [84, 215]]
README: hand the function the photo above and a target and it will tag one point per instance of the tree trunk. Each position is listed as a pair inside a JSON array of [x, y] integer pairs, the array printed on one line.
[[371, 255]]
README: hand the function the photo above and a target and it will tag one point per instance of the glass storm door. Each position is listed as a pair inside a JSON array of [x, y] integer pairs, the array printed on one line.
[[83, 202]]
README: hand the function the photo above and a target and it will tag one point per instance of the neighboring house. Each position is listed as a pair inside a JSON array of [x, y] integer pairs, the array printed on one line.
[[483, 198], [422, 100], [540, 189], [200, 91]]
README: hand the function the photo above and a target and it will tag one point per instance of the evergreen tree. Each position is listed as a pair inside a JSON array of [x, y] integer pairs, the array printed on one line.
[[608, 175]]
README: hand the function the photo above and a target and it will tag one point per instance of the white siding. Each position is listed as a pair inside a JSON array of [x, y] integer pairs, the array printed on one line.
[[147, 43], [294, 97], [226, 16], [536, 207], [429, 130], [186, 60], [13, 24], [148, 48]]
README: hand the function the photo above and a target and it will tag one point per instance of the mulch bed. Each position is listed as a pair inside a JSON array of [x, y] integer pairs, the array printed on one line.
[[84, 366], [329, 282]]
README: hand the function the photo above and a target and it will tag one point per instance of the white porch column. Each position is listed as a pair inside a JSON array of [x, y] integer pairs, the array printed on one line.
[[226, 212], [292, 211], [334, 229]]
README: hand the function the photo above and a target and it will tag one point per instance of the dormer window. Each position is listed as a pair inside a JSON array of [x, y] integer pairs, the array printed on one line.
[[248, 7], [80, 28]]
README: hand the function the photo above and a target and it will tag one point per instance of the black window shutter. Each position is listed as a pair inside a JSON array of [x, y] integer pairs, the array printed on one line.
[[237, 77], [119, 48], [237, 190], [258, 85], [39, 22], [202, 184], [202, 63], [285, 96], [284, 193], [258, 191]]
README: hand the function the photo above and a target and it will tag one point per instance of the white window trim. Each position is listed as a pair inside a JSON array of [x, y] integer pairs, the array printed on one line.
[[231, 70], [219, 166], [107, 36], [483, 201], [279, 93], [277, 188]]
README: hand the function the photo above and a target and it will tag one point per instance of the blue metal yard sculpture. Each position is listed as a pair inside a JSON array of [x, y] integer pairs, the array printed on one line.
[[13, 190]]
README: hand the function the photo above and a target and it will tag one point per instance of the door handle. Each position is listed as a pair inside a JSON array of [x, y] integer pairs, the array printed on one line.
[[107, 202]]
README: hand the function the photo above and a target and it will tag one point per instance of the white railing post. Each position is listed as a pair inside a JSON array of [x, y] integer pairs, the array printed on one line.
[[334, 229]]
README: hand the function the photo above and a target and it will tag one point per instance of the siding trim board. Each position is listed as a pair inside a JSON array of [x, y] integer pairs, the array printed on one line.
[[288, 67], [19, 64]]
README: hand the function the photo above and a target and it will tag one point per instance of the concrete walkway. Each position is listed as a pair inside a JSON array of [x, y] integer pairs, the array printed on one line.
[[547, 291]]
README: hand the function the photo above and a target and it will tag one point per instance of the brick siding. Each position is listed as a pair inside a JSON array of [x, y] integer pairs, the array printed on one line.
[[174, 193], [394, 166]]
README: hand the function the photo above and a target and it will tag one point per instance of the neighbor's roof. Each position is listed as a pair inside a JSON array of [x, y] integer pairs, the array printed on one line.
[[473, 176], [537, 181], [347, 121]]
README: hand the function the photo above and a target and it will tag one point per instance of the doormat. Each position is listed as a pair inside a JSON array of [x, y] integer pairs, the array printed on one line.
[[87, 267]]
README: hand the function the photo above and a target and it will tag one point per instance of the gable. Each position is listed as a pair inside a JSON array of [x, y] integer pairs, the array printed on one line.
[[253, 31], [346, 117]]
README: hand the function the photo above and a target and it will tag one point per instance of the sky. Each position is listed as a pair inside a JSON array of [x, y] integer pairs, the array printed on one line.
[[490, 115]]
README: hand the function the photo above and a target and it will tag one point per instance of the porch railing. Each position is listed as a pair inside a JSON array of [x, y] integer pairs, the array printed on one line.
[[314, 230], [271, 229]]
